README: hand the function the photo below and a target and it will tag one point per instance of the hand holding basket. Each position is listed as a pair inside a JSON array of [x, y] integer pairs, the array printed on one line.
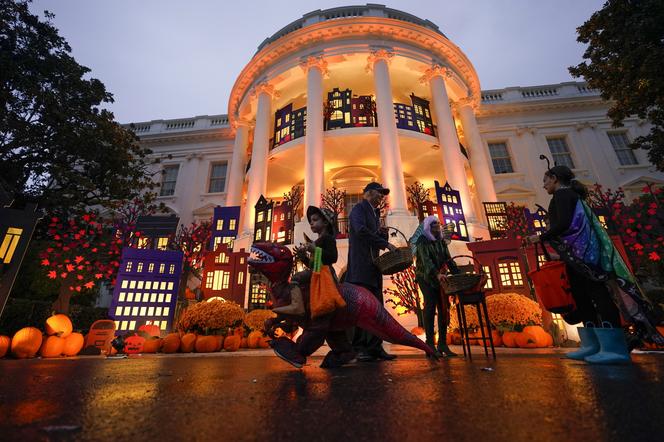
[[466, 281], [396, 260]]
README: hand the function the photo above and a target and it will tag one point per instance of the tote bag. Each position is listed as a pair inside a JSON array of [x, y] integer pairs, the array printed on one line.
[[324, 296]]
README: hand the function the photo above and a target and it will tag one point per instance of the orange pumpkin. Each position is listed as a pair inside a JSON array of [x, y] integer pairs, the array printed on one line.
[[526, 340], [52, 347], [134, 345], [253, 340], [26, 342], [73, 344], [220, 342], [509, 339], [150, 329], [189, 294], [5, 344], [232, 343], [152, 345], [59, 325], [243, 343], [188, 343], [205, 344], [171, 343], [264, 342], [541, 336], [417, 331]]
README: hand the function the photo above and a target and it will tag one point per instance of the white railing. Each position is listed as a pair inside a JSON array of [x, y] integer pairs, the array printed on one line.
[[545, 92]]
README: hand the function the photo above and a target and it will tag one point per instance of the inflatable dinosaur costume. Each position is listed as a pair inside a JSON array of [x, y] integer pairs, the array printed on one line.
[[362, 310]]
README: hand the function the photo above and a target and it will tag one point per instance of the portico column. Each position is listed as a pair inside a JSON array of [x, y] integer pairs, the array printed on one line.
[[390, 155], [453, 164], [258, 171], [314, 171], [238, 163], [479, 162]]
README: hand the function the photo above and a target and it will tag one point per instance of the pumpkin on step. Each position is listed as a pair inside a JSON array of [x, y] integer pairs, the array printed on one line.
[[188, 343], [205, 344], [526, 340], [26, 342], [253, 340], [232, 343], [171, 343], [152, 345], [220, 342], [73, 344], [52, 347], [243, 343], [5, 343], [509, 339], [59, 325], [264, 342], [542, 338], [134, 344], [150, 329]]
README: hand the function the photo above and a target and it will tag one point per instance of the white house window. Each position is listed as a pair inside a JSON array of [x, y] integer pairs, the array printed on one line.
[[169, 179], [620, 145], [500, 157], [218, 177], [560, 152]]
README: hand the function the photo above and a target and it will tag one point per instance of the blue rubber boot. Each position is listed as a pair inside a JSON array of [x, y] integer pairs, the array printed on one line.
[[589, 344], [613, 347]]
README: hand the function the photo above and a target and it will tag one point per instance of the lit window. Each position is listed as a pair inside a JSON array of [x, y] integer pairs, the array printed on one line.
[[217, 241], [132, 284], [269, 215], [167, 311], [140, 285], [130, 297], [240, 278], [620, 145], [541, 259], [157, 311], [117, 325], [126, 311], [9, 244], [150, 311], [259, 235], [168, 297], [515, 270], [170, 177], [267, 233], [510, 274], [143, 310], [170, 286], [218, 181], [118, 311], [139, 267], [123, 325], [151, 267], [161, 297], [121, 298], [134, 311], [231, 224], [148, 285], [143, 243], [153, 298], [125, 283], [162, 267], [164, 325], [560, 152], [132, 325], [220, 224], [162, 243], [260, 216], [500, 157], [171, 270], [162, 286], [489, 282], [146, 296]]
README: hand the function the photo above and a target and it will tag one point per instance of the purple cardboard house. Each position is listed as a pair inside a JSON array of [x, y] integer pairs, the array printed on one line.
[[225, 222], [450, 210], [146, 289]]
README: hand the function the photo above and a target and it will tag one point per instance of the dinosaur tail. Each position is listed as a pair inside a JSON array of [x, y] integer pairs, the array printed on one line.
[[373, 317]]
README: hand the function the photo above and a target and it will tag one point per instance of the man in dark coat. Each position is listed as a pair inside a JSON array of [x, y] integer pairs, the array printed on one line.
[[366, 239]]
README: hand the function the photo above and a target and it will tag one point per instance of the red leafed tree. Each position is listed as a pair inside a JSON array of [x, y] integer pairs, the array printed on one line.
[[334, 199], [516, 225], [294, 197], [417, 195], [641, 226], [605, 202], [406, 294], [192, 240], [82, 251]]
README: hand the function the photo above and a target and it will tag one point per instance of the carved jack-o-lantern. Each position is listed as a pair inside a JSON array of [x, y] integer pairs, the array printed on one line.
[[134, 345]]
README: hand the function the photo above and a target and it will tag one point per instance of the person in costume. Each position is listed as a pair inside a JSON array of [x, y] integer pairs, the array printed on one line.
[[431, 256], [602, 285]]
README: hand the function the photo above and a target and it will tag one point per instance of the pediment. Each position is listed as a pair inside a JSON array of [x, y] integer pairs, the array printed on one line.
[[515, 190], [206, 210], [641, 182]]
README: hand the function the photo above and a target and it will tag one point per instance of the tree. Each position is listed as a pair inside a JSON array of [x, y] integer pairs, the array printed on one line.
[[516, 224], [56, 143], [604, 202], [417, 195], [334, 199], [294, 197], [406, 294], [625, 61], [192, 241]]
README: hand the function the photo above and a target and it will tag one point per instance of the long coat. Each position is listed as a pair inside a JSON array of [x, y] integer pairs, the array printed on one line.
[[365, 241]]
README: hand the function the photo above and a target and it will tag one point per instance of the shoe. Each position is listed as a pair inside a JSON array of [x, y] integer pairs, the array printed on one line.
[[612, 347], [589, 344], [287, 350], [446, 352], [336, 360], [364, 356], [383, 355]]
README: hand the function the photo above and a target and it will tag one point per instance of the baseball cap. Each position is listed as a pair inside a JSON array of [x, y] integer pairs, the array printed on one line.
[[376, 186]]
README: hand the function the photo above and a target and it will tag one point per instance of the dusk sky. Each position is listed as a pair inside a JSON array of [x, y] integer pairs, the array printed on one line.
[[177, 59]]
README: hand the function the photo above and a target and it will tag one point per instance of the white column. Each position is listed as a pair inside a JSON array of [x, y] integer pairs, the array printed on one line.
[[390, 154], [258, 171], [238, 163], [453, 163], [479, 163], [314, 171]]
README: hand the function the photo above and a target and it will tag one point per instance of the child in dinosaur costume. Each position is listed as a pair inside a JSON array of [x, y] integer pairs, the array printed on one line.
[[362, 309]]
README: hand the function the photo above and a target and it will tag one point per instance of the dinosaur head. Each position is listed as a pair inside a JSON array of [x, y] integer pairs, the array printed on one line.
[[272, 260]]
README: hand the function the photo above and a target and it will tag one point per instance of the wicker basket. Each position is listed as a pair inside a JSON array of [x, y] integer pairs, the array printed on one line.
[[463, 281], [395, 261]]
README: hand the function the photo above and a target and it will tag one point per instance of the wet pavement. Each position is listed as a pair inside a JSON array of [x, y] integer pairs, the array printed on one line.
[[523, 396]]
